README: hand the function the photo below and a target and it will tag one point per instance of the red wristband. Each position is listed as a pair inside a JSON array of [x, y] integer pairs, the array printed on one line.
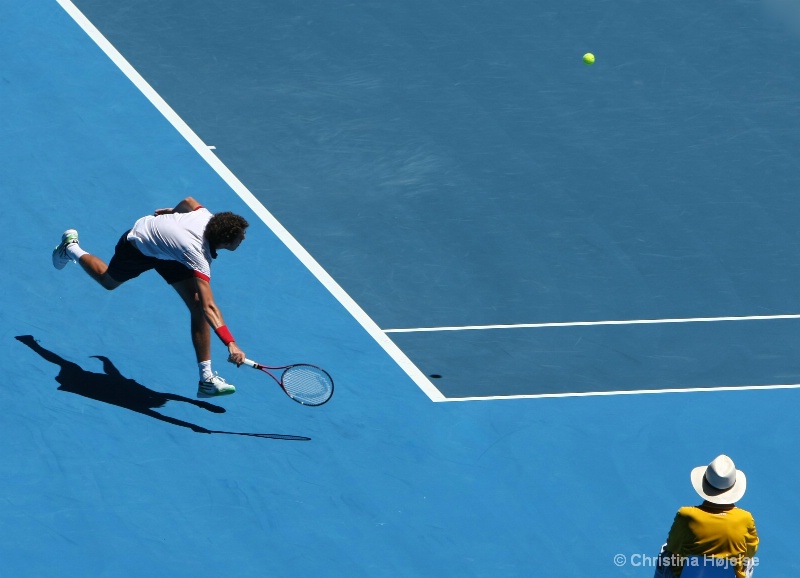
[[224, 334]]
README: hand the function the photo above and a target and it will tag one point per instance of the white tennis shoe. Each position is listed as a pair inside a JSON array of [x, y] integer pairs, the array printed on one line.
[[60, 255], [214, 387]]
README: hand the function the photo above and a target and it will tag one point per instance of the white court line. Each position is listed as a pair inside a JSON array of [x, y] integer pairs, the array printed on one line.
[[626, 392], [590, 323], [203, 150], [620, 322]]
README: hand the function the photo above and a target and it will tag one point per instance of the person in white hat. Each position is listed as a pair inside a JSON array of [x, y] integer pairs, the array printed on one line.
[[717, 528]]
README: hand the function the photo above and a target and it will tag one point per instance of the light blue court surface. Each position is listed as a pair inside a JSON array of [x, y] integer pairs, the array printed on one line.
[[447, 165]]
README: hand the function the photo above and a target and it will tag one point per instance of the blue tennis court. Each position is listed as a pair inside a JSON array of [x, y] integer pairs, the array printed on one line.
[[546, 291]]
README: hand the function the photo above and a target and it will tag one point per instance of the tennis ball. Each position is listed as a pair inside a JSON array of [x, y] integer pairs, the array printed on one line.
[[588, 58]]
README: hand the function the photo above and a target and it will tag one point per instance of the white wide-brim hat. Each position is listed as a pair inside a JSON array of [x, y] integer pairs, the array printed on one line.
[[719, 482]]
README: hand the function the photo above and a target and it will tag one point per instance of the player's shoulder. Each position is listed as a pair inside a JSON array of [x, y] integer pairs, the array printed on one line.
[[201, 215], [201, 210]]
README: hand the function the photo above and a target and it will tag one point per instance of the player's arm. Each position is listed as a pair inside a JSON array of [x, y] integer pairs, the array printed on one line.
[[187, 205], [215, 320]]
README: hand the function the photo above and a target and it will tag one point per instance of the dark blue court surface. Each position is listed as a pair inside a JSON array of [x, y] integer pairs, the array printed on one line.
[[456, 164], [563, 360], [437, 166]]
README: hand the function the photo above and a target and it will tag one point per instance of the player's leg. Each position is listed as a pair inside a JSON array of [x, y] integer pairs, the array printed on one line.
[[210, 384], [98, 270], [201, 333], [70, 250]]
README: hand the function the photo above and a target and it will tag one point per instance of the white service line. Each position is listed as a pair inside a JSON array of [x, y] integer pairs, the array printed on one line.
[[590, 323], [205, 152]]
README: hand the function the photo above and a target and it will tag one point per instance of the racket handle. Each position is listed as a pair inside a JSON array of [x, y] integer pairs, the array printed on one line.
[[249, 362]]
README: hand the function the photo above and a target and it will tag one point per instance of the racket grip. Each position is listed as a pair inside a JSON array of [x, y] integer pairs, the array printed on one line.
[[249, 362]]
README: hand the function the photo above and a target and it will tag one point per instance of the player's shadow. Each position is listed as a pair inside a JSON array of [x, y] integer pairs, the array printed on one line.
[[113, 388]]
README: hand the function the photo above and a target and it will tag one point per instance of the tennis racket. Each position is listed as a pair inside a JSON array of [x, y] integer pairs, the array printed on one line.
[[304, 383]]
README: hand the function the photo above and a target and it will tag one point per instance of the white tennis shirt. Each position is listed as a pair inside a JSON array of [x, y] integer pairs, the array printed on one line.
[[176, 237]]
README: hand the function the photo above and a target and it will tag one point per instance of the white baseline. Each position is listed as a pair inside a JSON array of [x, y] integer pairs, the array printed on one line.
[[627, 392], [590, 323]]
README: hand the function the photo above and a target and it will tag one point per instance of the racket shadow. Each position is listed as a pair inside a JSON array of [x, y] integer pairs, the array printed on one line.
[[113, 388]]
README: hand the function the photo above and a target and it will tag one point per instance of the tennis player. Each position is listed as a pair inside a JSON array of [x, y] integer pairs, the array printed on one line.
[[179, 244]]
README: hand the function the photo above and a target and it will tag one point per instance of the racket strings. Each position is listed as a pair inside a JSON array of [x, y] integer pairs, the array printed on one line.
[[307, 384]]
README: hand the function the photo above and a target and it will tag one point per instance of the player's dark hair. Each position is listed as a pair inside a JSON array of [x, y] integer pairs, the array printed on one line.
[[224, 228]]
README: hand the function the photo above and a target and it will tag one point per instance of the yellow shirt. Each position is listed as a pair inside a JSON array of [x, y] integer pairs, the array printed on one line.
[[718, 531]]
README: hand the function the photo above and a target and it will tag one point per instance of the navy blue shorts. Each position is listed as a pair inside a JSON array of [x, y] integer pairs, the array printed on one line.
[[129, 262]]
